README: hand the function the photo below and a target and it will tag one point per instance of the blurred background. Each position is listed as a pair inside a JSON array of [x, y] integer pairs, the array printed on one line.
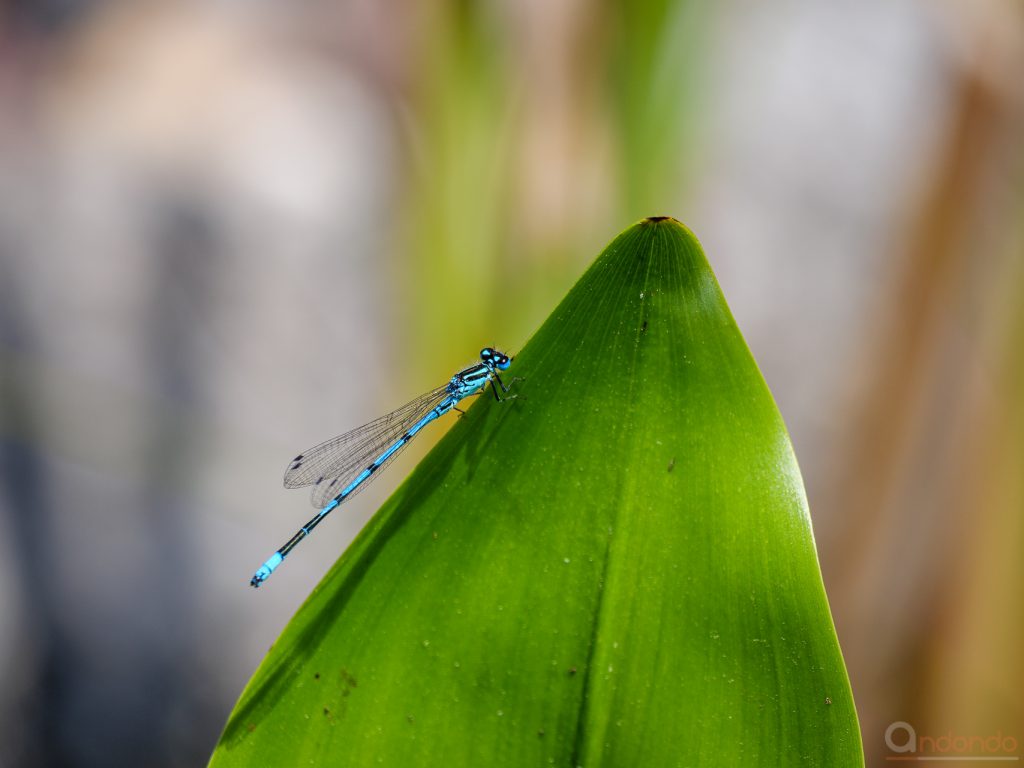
[[231, 230]]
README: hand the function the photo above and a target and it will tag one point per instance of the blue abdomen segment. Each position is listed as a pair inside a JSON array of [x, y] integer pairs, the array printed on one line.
[[355, 483], [267, 568]]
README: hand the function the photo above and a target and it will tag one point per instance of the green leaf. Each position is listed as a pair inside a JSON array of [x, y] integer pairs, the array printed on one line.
[[614, 568]]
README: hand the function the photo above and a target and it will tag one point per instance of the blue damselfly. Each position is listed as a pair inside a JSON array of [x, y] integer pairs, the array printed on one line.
[[339, 468]]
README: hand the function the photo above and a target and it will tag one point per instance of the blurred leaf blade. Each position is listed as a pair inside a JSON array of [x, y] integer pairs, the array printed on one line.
[[657, 53], [614, 568]]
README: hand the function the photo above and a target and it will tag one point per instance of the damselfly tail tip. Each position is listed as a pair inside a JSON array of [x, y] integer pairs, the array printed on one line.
[[259, 577], [266, 569]]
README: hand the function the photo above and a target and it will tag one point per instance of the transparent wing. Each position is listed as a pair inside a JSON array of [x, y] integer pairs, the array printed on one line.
[[332, 465]]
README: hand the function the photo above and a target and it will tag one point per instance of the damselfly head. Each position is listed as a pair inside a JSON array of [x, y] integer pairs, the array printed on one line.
[[494, 358]]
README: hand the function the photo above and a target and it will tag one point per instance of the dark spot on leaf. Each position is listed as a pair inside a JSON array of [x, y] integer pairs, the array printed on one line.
[[656, 219], [672, 464], [409, 718], [326, 711], [316, 675], [828, 700], [572, 671], [540, 732], [250, 727], [643, 327]]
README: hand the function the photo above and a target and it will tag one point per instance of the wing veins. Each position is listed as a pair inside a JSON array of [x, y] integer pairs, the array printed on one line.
[[333, 464]]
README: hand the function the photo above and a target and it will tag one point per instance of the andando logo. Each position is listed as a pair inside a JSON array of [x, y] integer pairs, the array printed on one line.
[[902, 738]]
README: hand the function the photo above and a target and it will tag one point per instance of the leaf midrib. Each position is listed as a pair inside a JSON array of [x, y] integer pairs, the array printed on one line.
[[579, 755]]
